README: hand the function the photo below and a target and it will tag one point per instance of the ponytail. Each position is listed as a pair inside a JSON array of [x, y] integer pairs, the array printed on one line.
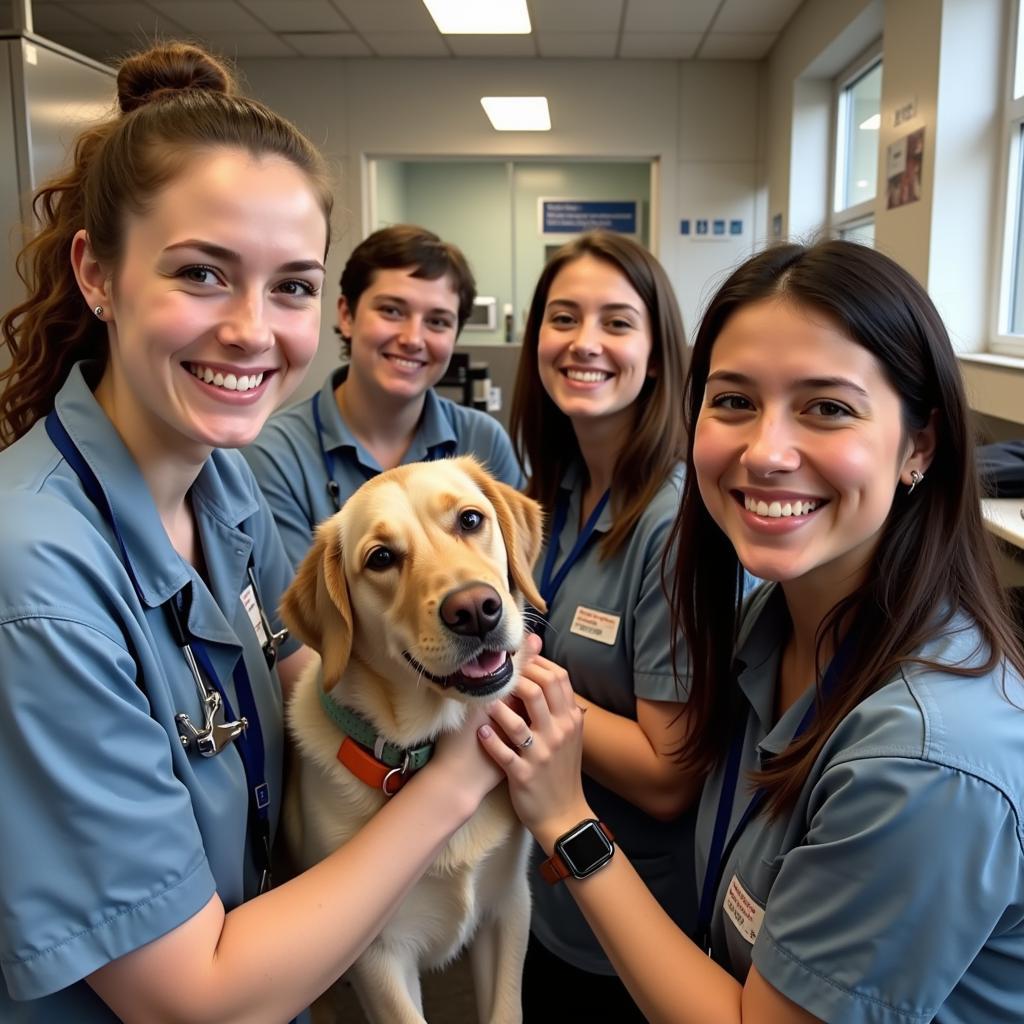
[[173, 99]]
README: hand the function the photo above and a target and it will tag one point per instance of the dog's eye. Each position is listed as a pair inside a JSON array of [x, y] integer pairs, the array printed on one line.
[[470, 520], [381, 558]]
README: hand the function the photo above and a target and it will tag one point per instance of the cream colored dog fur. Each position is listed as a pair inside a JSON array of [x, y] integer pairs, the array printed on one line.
[[412, 594]]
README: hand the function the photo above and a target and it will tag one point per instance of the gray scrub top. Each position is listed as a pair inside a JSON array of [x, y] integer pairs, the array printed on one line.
[[289, 463], [112, 834], [637, 663], [894, 890]]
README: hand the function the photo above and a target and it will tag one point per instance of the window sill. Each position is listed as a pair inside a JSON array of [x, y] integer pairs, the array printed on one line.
[[993, 359], [994, 384]]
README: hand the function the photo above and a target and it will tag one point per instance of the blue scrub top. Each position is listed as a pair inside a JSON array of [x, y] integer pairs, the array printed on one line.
[[894, 890], [113, 835], [289, 463], [637, 664]]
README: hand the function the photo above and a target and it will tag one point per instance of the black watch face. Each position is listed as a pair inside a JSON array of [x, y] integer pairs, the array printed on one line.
[[586, 850]]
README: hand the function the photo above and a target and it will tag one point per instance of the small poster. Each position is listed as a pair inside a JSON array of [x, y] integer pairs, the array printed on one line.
[[572, 216], [903, 164]]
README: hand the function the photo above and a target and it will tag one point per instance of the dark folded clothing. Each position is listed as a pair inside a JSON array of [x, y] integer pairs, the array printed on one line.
[[1001, 468]]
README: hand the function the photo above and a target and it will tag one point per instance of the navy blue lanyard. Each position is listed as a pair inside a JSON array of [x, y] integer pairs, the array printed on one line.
[[549, 585], [722, 844], [250, 739], [434, 452]]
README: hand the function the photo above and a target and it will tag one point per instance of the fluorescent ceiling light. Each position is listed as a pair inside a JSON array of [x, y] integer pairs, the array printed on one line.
[[871, 124], [518, 113], [480, 17]]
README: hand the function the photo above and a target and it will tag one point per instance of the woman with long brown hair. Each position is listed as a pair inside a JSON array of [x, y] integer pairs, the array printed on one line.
[[860, 719], [174, 301], [597, 420]]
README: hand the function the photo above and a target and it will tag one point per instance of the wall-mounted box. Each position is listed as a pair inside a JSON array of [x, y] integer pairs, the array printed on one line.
[[484, 316]]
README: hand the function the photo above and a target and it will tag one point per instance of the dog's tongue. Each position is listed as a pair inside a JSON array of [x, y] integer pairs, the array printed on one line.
[[486, 665]]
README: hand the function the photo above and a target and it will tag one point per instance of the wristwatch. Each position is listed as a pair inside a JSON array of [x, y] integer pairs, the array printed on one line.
[[583, 850]]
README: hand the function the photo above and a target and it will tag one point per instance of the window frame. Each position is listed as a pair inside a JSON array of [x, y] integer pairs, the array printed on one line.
[[864, 212], [1010, 214]]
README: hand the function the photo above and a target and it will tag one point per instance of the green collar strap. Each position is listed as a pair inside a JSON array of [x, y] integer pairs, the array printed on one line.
[[356, 727]]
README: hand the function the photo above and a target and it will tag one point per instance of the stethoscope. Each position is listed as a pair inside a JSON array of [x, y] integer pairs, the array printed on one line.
[[434, 452], [215, 733], [221, 727]]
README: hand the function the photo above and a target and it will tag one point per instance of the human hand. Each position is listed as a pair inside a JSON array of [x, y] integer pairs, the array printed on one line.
[[458, 754], [541, 757]]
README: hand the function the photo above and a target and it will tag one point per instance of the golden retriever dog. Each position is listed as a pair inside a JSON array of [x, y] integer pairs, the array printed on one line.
[[413, 596]]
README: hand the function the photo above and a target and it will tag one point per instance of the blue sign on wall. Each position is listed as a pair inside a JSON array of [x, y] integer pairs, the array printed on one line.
[[571, 216]]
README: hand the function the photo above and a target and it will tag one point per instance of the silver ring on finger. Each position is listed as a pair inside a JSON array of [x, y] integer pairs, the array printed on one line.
[[528, 742]]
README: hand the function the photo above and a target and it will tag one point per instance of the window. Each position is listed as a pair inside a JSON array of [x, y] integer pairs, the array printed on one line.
[[856, 120], [1010, 293]]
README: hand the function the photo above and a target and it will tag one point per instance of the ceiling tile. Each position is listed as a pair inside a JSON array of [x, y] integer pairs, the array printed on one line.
[[753, 16], [248, 44], [407, 44], [327, 44], [386, 15], [736, 45], [660, 45], [50, 18], [492, 46], [297, 15], [129, 18], [568, 15], [209, 15], [577, 44], [669, 15], [104, 46]]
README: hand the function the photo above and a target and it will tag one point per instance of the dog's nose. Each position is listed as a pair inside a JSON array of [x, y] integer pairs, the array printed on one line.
[[471, 610]]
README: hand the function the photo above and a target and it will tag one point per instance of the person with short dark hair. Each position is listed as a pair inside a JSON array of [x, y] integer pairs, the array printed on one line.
[[859, 720], [405, 297]]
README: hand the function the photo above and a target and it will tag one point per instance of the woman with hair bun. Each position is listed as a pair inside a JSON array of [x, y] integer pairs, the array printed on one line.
[[859, 719], [173, 302]]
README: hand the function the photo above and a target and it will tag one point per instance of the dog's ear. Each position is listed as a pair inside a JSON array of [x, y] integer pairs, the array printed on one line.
[[522, 528], [316, 607]]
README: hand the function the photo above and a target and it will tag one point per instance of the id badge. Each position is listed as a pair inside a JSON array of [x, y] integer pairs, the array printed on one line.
[[743, 910], [595, 625], [252, 609]]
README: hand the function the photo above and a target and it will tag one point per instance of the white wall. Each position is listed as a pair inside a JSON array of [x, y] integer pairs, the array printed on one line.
[[822, 38], [945, 57], [697, 120]]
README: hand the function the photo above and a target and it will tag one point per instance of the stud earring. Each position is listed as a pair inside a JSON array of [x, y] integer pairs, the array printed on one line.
[[98, 310], [915, 479]]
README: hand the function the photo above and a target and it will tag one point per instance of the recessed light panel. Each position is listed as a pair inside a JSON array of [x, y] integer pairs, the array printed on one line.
[[480, 17], [518, 113]]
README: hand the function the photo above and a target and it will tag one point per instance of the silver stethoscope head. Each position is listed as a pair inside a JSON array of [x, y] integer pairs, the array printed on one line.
[[215, 734]]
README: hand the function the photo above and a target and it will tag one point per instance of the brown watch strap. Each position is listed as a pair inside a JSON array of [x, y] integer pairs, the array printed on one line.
[[554, 869]]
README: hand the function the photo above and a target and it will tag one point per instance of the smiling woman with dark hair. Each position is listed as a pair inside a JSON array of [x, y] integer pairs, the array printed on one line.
[[596, 415], [860, 719]]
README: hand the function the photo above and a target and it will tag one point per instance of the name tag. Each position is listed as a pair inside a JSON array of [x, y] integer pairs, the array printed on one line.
[[252, 609], [743, 910], [595, 625]]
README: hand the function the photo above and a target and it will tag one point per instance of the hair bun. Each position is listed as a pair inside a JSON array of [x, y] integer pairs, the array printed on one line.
[[166, 68]]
